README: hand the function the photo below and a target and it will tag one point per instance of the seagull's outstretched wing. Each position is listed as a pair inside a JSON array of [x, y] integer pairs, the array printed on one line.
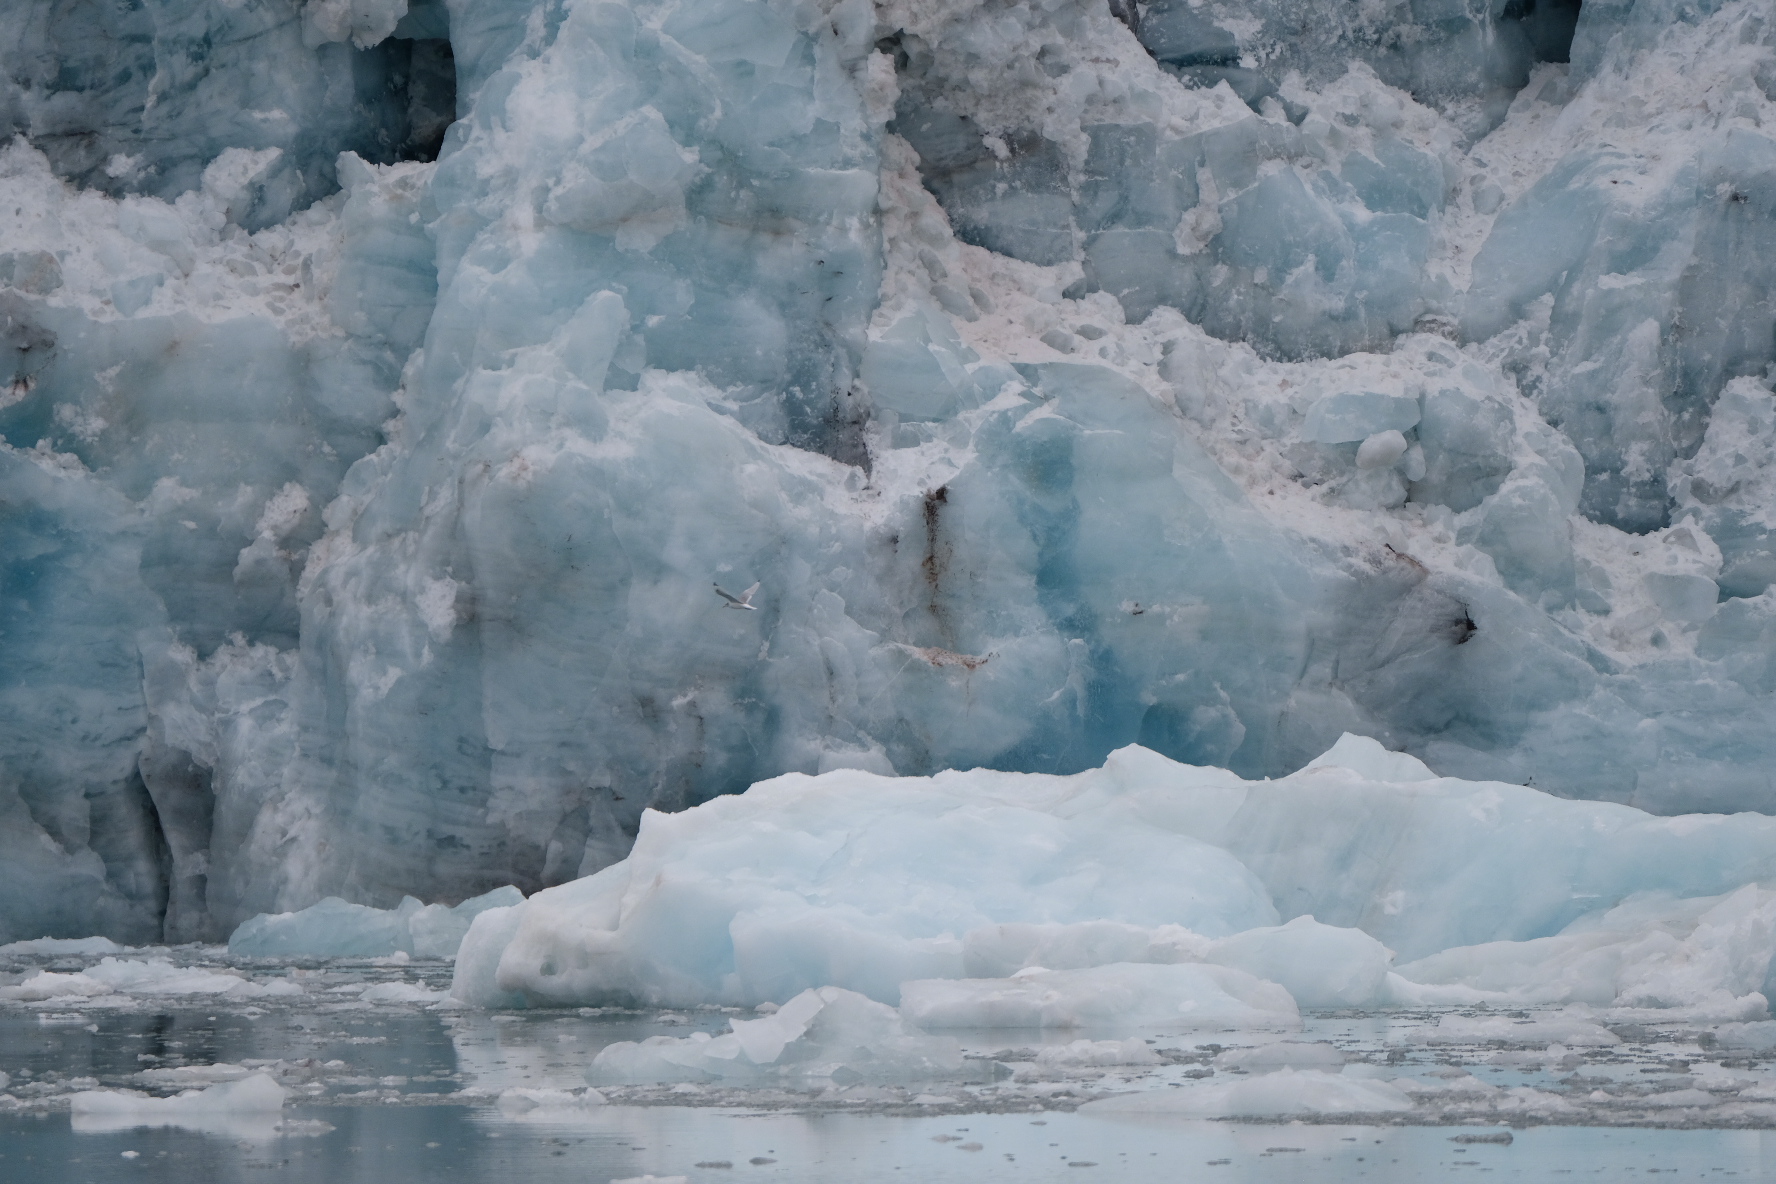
[[744, 600]]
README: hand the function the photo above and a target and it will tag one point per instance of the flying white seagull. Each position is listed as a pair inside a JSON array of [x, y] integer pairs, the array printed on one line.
[[744, 600]]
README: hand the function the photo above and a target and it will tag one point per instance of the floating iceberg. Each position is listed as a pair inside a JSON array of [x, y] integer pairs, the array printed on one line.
[[149, 977], [852, 880], [336, 928], [1147, 892]]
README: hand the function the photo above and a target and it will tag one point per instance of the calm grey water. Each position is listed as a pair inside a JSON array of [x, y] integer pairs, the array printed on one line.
[[444, 1144], [406, 1095]]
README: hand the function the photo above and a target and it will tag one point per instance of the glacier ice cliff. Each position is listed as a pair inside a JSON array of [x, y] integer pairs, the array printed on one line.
[[388, 384]]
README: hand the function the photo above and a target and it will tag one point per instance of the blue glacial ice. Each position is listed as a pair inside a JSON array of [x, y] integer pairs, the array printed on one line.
[[386, 394], [335, 928], [1147, 893]]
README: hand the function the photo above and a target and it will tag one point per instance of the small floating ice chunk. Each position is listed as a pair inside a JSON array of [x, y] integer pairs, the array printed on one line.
[[1120, 995], [64, 947], [543, 1102], [141, 977], [824, 1033], [333, 928], [193, 1075], [1272, 1095], [220, 1108], [1575, 1030], [1758, 1034], [400, 993], [1283, 1054], [1133, 1051]]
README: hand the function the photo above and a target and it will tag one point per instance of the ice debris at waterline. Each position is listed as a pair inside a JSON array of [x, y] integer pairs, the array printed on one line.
[[336, 928], [327, 1046], [126, 980], [821, 1035], [159, 979], [379, 405], [1149, 893]]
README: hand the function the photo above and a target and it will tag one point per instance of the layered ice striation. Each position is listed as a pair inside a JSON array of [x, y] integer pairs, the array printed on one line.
[[386, 391]]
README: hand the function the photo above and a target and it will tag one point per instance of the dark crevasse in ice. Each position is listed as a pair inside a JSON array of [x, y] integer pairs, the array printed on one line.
[[142, 98], [388, 389]]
